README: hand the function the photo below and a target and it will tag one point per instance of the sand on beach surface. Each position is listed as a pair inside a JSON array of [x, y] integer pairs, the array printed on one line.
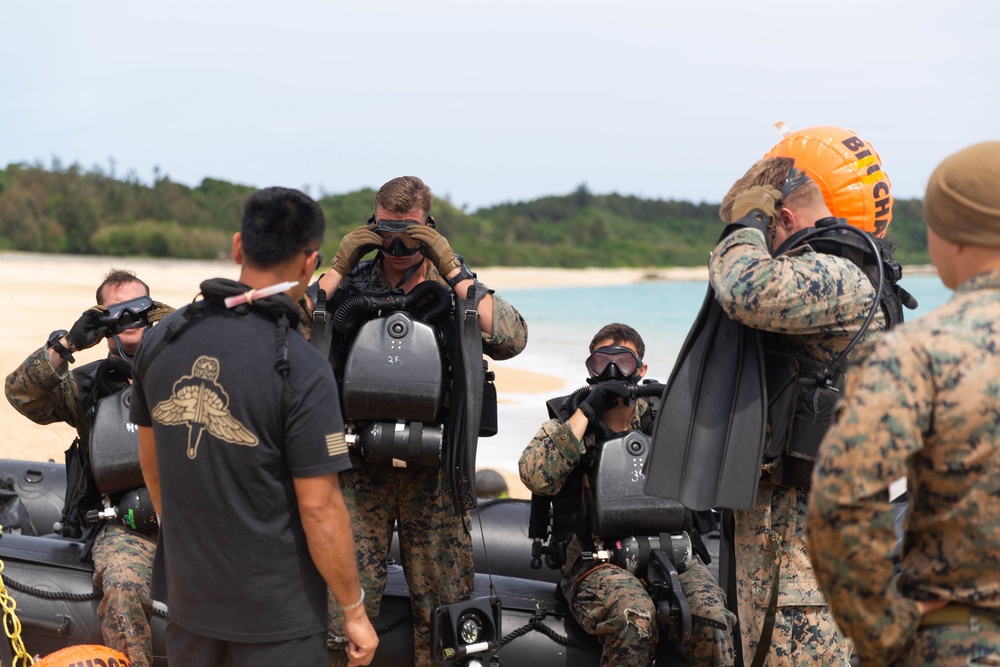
[[41, 293]]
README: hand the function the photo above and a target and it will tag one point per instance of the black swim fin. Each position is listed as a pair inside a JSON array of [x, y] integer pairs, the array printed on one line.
[[709, 435]]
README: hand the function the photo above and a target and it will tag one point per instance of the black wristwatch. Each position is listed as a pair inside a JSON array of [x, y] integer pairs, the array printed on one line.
[[463, 274], [54, 344]]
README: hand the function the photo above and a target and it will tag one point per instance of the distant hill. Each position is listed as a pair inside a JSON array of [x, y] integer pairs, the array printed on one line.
[[72, 210]]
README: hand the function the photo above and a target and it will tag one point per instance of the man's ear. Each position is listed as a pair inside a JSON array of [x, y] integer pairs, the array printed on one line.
[[308, 267], [787, 218], [238, 248]]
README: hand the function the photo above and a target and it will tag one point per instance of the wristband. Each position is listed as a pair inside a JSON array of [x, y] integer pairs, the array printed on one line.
[[463, 274], [53, 343], [356, 604]]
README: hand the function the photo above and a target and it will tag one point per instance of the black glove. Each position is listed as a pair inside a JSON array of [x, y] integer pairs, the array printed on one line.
[[755, 207], [602, 398], [88, 330]]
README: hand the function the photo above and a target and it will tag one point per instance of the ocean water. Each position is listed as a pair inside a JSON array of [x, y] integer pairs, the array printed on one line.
[[561, 322]]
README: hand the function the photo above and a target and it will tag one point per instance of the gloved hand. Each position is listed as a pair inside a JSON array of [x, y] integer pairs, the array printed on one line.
[[602, 398], [436, 248], [160, 310], [356, 244], [88, 330], [761, 198]]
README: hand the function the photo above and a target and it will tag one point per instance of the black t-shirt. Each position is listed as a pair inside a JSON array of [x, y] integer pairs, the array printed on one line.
[[234, 553]]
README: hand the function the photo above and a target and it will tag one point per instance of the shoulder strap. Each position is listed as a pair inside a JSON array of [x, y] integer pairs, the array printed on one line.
[[826, 232]]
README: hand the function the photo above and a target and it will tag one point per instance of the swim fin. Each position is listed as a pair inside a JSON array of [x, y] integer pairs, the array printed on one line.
[[709, 434]]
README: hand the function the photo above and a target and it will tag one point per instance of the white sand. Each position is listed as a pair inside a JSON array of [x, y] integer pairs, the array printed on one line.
[[41, 293]]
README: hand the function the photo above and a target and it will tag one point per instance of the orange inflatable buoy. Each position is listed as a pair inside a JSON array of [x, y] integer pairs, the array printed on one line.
[[847, 170], [83, 655]]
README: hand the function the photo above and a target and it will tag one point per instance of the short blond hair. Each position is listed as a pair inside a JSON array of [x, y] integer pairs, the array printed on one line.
[[403, 194], [770, 171]]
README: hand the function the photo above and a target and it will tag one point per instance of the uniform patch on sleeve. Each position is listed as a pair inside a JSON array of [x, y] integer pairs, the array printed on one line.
[[335, 444]]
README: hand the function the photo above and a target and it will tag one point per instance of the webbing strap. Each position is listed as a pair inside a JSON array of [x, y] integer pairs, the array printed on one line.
[[764, 645]]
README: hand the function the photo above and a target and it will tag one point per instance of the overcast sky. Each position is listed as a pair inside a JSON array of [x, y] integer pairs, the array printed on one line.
[[491, 101]]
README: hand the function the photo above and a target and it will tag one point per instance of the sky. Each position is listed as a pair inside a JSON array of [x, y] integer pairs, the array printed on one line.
[[490, 102]]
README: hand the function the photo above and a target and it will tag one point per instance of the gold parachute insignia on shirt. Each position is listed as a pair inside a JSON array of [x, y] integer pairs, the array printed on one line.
[[202, 404]]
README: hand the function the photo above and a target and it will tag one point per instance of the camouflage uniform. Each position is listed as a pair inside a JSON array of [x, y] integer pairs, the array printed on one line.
[[611, 602], [923, 405], [815, 303], [435, 542], [123, 559]]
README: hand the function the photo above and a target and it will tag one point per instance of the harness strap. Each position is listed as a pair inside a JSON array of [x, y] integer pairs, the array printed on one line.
[[764, 645]]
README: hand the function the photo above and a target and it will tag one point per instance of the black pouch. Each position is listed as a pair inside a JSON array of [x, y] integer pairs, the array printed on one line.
[[782, 375], [488, 423], [815, 407]]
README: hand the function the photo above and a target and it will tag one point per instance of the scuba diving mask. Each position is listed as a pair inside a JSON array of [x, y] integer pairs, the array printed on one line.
[[613, 362], [128, 314], [795, 180], [395, 229]]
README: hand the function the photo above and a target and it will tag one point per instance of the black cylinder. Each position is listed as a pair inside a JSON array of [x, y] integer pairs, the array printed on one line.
[[402, 444]]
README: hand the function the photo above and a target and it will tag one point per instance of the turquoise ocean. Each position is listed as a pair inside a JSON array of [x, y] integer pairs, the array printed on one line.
[[561, 322]]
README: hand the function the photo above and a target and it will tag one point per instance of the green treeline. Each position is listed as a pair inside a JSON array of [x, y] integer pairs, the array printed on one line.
[[71, 210]]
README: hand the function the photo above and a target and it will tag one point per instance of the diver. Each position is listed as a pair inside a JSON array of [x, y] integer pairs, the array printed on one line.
[[99, 496], [603, 585], [412, 373], [801, 282]]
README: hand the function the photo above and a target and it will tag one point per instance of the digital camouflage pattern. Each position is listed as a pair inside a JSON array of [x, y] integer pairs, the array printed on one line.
[[816, 303], [924, 404], [123, 560], [44, 395], [611, 602], [435, 542], [952, 646], [804, 629], [435, 545], [123, 567], [510, 333]]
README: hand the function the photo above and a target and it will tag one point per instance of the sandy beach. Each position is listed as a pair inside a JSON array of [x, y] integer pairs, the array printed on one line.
[[41, 293]]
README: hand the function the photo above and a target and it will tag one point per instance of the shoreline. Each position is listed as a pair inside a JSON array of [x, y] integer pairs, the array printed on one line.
[[43, 292]]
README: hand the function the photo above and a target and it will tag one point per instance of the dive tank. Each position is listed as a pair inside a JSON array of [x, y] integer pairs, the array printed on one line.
[[394, 372], [617, 503], [114, 445]]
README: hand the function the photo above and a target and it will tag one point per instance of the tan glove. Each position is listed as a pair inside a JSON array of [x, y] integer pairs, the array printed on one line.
[[160, 310], [763, 198], [436, 248], [356, 244]]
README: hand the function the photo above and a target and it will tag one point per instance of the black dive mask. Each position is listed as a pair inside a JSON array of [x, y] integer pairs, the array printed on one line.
[[395, 228], [613, 362], [795, 180], [399, 249], [128, 314]]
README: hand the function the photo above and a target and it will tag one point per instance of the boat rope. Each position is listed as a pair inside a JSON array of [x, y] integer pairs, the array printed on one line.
[[12, 624], [390, 624], [535, 623], [50, 595]]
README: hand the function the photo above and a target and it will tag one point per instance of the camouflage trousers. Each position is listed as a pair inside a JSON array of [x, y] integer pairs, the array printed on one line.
[[123, 566], [805, 633], [435, 546], [953, 646], [612, 604]]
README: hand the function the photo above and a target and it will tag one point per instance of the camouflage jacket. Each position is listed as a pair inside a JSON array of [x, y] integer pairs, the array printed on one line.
[[510, 332], [815, 302], [924, 404], [47, 396]]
